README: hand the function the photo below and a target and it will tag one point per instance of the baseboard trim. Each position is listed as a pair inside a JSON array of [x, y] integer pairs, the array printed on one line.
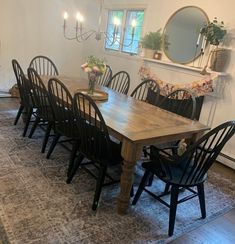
[[226, 160]]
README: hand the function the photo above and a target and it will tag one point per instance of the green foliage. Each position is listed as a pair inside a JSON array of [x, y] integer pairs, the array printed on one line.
[[94, 61], [214, 32], [152, 40]]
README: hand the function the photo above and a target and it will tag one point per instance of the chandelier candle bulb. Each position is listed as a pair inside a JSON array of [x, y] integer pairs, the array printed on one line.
[[65, 18], [133, 24], [116, 21]]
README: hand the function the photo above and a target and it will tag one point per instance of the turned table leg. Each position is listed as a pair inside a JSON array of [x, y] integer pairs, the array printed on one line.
[[131, 153]]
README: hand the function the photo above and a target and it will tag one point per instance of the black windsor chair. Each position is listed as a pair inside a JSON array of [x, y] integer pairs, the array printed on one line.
[[120, 82], [95, 143], [26, 101], [188, 170], [147, 91], [43, 65], [181, 102], [44, 111], [104, 79], [62, 105]]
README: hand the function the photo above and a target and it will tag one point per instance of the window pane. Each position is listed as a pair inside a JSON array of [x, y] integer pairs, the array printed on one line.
[[109, 44], [128, 45]]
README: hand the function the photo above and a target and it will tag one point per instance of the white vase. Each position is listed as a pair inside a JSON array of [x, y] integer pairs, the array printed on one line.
[[148, 53]]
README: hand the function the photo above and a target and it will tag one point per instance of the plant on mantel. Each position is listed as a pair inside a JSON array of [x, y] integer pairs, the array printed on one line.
[[152, 42], [214, 32]]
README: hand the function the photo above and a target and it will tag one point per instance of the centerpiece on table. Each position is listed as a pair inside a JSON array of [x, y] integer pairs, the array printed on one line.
[[94, 67]]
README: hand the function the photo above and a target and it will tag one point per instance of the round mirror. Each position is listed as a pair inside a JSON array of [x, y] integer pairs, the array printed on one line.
[[181, 34]]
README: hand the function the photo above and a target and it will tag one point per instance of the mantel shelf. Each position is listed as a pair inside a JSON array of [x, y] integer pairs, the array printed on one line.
[[182, 66]]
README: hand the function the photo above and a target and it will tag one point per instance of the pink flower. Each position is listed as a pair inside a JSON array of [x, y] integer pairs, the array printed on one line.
[[83, 66], [87, 70], [96, 69]]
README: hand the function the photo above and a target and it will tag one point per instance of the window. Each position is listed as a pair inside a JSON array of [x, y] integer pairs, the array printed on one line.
[[124, 30]]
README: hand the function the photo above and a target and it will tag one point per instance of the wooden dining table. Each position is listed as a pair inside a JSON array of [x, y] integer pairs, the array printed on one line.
[[136, 124]]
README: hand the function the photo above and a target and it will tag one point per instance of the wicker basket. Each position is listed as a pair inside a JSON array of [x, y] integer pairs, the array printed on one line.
[[219, 59]]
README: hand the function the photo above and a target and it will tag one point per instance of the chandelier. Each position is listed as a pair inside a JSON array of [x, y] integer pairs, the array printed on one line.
[[81, 34]]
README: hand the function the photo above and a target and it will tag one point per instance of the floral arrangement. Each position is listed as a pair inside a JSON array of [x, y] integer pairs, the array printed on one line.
[[94, 65], [214, 32], [200, 87]]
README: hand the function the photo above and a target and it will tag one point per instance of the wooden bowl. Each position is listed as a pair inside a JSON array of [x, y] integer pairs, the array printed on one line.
[[98, 95]]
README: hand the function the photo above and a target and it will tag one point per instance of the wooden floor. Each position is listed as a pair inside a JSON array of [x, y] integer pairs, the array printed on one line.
[[8, 103], [221, 230], [218, 231]]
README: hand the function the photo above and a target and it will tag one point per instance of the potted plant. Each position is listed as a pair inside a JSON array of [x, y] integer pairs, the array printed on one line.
[[214, 33], [152, 42]]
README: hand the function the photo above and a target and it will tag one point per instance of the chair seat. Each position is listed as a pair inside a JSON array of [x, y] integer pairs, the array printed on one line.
[[47, 116], [111, 156], [171, 173], [68, 129]]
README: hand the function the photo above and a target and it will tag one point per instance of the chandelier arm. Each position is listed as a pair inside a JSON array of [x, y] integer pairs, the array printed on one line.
[[112, 41], [67, 37], [84, 36], [119, 42]]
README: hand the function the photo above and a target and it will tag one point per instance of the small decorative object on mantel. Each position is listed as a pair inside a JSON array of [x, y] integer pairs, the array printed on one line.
[[157, 55], [94, 67], [214, 33], [151, 43]]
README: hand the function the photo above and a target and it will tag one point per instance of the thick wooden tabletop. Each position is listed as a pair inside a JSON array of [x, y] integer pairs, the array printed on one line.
[[137, 121]]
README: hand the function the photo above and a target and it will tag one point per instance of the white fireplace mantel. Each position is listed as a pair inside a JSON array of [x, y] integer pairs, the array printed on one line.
[[184, 67]]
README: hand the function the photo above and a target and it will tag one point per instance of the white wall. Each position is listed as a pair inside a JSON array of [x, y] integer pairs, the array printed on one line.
[[157, 14], [32, 27]]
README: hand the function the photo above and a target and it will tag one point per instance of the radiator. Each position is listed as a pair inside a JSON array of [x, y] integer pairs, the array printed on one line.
[[226, 160]]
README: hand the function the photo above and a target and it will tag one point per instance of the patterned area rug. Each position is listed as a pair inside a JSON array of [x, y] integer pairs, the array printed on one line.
[[37, 206]]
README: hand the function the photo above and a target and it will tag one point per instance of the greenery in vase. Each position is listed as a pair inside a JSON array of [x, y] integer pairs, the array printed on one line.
[[214, 32], [94, 65], [152, 40]]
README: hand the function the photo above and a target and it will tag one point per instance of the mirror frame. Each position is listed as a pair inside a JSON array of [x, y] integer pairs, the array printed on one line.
[[164, 31]]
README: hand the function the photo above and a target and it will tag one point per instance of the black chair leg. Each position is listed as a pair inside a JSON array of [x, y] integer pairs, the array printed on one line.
[[132, 193], [37, 120], [27, 121], [201, 196], [20, 110], [46, 137], [141, 187], [99, 184], [74, 168], [167, 188], [53, 144], [173, 207], [72, 156], [150, 181]]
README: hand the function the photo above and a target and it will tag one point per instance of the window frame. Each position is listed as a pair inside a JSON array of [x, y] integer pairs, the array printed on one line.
[[125, 10]]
